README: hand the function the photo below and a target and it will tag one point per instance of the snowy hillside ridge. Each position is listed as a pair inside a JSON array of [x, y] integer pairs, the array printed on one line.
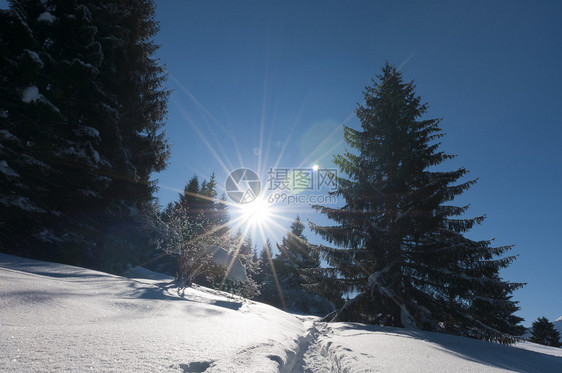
[[56, 317]]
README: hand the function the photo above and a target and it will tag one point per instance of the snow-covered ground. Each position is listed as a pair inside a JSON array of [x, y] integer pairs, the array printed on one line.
[[56, 317]]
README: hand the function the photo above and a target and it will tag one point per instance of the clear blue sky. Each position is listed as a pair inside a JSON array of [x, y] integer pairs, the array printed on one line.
[[491, 69]]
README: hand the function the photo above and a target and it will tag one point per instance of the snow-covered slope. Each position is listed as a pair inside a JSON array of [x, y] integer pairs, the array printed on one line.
[[55, 317], [355, 347]]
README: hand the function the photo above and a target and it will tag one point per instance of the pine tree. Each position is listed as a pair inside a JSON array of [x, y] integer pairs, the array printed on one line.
[[544, 333], [26, 117], [271, 292], [133, 83], [48, 110], [296, 265], [289, 279], [399, 240], [264, 264], [295, 254], [81, 130]]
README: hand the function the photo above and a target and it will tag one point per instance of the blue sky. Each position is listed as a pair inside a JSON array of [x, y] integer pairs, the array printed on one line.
[[491, 70], [259, 81]]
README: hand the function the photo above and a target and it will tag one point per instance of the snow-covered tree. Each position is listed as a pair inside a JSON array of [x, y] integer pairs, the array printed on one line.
[[399, 239], [242, 249], [544, 333], [196, 231], [26, 119], [80, 130], [50, 73], [196, 225], [132, 80]]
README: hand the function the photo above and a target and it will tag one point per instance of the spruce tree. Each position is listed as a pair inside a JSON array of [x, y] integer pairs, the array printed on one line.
[[264, 265], [399, 240], [132, 80], [290, 278], [271, 292], [296, 265], [26, 119], [295, 254], [82, 112], [51, 75], [544, 333]]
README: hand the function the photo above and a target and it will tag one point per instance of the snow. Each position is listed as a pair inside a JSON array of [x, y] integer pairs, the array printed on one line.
[[32, 161], [6, 170], [8, 136], [46, 17], [56, 317], [30, 94], [96, 156], [80, 62], [228, 259], [78, 153], [90, 131], [47, 236], [363, 348], [89, 193], [20, 202], [143, 273], [35, 57]]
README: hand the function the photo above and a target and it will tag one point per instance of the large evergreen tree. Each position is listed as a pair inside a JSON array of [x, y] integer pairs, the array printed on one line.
[[544, 333], [82, 111], [399, 239], [133, 82]]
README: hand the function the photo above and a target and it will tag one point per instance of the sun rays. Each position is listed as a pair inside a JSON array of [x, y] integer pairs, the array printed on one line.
[[262, 218]]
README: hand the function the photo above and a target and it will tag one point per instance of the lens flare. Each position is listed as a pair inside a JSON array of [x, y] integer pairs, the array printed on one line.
[[255, 213]]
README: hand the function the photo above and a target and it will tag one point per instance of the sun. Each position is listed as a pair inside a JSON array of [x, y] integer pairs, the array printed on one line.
[[256, 213]]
